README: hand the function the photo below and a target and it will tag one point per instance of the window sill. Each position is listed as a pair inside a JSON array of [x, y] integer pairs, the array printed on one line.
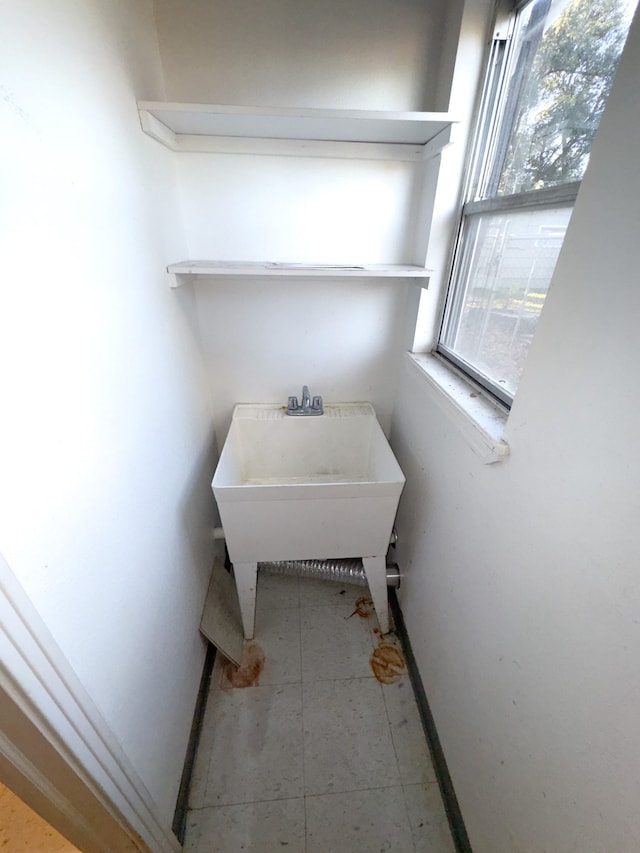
[[481, 421]]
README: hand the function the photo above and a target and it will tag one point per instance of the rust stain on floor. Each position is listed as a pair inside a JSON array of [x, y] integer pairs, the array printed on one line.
[[251, 664], [364, 607], [387, 662]]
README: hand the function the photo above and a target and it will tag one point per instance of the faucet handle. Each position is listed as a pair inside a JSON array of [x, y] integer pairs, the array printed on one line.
[[307, 406]]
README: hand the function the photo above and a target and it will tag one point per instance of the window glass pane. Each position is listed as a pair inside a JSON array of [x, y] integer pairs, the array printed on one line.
[[543, 100], [506, 264], [567, 54]]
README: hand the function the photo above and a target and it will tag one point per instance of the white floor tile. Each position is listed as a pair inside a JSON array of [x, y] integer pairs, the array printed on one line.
[[318, 741], [252, 828], [316, 592], [347, 743], [256, 753], [217, 673], [278, 635], [414, 759], [336, 643], [276, 592], [200, 770], [428, 818], [192, 831], [359, 822]]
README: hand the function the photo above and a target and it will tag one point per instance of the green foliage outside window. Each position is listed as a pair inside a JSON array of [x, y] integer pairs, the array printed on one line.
[[565, 94]]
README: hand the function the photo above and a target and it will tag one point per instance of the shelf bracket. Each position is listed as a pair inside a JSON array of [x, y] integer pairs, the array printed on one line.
[[158, 131], [440, 141]]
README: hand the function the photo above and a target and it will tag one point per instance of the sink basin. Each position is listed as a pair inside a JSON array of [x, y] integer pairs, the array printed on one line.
[[307, 488]]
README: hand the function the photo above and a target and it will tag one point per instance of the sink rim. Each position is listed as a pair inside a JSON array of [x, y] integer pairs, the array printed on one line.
[[238, 487]]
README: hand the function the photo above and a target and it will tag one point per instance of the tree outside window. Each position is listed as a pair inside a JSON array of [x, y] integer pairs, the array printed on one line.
[[535, 141]]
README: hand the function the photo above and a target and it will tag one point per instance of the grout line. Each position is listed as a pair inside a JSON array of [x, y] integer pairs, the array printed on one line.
[[338, 678], [395, 752], [393, 742], [246, 803], [356, 790], [345, 678], [339, 604]]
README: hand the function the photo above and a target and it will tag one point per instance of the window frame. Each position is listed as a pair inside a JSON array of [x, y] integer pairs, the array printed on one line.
[[489, 132], [549, 197]]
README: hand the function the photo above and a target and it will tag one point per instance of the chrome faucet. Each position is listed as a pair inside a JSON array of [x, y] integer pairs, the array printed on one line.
[[309, 405]]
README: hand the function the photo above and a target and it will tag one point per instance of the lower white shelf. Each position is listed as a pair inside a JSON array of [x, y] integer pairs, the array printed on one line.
[[185, 270]]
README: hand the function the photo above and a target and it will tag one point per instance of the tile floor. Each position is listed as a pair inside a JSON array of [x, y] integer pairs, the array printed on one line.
[[319, 757]]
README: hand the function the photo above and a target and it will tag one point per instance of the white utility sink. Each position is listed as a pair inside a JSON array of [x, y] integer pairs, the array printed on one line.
[[300, 488]]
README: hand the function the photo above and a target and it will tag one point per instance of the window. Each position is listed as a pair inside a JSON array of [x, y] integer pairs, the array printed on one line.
[[545, 90]]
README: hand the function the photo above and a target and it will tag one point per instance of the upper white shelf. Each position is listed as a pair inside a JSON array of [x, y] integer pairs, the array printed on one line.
[[185, 270], [303, 132]]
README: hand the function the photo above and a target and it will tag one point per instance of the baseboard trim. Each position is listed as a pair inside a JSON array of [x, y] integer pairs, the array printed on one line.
[[182, 803], [452, 808]]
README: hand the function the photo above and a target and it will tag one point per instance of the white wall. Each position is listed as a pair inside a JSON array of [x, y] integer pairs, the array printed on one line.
[[338, 54], [297, 209], [521, 593], [106, 438], [264, 339]]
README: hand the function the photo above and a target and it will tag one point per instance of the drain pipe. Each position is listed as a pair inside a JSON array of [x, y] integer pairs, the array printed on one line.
[[342, 571]]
